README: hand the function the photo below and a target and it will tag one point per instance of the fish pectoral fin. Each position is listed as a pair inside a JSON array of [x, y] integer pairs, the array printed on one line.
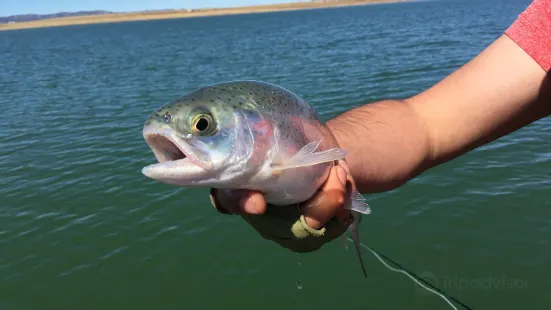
[[358, 203], [308, 157]]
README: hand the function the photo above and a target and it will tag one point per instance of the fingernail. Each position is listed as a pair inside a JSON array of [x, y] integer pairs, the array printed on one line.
[[313, 223], [341, 174]]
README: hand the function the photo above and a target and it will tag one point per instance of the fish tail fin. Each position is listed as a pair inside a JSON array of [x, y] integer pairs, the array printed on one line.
[[344, 241], [356, 237]]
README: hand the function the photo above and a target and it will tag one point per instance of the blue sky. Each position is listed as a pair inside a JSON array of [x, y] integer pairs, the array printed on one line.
[[11, 7]]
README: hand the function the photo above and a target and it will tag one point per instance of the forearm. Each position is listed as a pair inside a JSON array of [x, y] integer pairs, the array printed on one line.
[[386, 143], [390, 142], [499, 91]]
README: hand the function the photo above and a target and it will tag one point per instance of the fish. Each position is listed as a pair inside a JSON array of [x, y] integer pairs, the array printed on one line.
[[247, 134]]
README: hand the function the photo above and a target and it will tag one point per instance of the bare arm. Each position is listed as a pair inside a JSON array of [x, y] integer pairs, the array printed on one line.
[[391, 142]]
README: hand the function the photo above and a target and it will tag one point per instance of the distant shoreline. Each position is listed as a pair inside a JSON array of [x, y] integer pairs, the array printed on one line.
[[174, 14]]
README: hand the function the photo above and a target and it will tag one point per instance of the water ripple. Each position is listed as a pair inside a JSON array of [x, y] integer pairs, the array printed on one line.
[[80, 224]]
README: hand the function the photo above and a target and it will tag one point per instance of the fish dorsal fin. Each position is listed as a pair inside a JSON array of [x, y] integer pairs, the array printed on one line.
[[307, 156]]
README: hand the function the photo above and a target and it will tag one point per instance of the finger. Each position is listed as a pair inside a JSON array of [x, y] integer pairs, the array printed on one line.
[[252, 202], [241, 201], [227, 200], [328, 201], [344, 214], [343, 164]]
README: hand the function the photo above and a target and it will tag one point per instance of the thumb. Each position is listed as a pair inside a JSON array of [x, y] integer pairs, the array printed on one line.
[[328, 201]]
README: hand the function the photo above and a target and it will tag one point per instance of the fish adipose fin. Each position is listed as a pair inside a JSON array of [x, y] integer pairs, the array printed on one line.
[[308, 157]]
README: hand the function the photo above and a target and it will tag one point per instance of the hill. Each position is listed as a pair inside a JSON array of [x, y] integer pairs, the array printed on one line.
[[33, 17], [92, 17]]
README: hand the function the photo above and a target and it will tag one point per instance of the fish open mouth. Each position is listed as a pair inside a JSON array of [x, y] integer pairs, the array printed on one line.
[[177, 158], [164, 149]]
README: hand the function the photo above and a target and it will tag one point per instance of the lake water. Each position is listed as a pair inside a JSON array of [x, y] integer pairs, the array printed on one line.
[[82, 228]]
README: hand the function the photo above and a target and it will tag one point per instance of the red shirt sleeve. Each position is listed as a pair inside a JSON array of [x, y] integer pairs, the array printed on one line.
[[532, 32]]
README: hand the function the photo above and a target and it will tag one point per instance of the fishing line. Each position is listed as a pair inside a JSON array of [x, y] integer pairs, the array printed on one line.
[[420, 281]]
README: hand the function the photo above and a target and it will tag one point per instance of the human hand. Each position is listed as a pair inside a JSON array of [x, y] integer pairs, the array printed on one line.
[[303, 229]]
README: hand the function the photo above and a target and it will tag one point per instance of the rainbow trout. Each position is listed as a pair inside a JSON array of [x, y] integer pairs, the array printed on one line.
[[246, 135]]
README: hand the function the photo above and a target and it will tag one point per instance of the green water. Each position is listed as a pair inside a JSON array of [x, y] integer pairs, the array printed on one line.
[[82, 228]]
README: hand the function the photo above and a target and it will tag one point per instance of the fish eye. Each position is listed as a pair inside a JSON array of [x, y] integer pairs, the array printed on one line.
[[203, 124]]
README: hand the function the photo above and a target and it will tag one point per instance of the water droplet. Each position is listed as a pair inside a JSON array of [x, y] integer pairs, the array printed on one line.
[[299, 271]]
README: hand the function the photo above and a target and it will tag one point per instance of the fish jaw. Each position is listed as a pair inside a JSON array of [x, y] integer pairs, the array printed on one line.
[[178, 162]]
